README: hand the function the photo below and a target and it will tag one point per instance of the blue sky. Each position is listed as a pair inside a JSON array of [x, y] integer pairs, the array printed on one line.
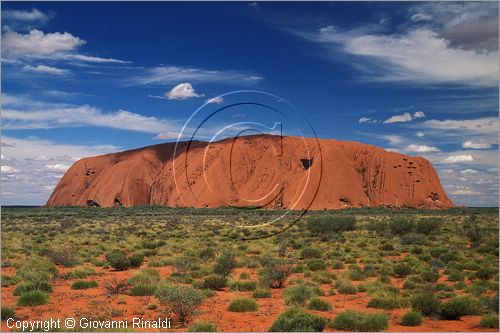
[[82, 79]]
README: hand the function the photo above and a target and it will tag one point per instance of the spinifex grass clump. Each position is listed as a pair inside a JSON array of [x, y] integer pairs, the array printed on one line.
[[297, 295], [319, 304], [360, 322], [241, 304], [298, 320], [84, 284], [144, 283], [33, 298]]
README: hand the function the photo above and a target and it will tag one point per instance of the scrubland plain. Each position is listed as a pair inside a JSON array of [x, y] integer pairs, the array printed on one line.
[[348, 270]]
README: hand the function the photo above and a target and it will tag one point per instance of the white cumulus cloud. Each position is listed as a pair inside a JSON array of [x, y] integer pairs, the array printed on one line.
[[36, 42], [405, 117], [458, 159], [421, 148], [469, 144], [182, 91]]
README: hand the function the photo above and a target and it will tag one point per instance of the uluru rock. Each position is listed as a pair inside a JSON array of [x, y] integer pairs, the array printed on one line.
[[258, 171]]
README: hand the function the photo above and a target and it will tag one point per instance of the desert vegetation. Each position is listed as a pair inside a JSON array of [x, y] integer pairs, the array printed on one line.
[[349, 270]]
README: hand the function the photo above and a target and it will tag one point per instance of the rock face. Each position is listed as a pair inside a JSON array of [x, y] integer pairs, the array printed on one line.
[[262, 170]]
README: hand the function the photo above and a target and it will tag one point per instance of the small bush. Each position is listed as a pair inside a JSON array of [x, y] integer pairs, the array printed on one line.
[[7, 313], [329, 224], [136, 260], [311, 253], [428, 226], [84, 284], [65, 257], [316, 265], [485, 273], [298, 320], [425, 303], [144, 282], [357, 321], [276, 272], [225, 264], [385, 302], [28, 286], [262, 293], [241, 304], [319, 304], [80, 273], [346, 287], [489, 321], [297, 295], [243, 286], [412, 318], [214, 282], [402, 269], [33, 298], [400, 226], [115, 286], [202, 326], [458, 307], [182, 301], [118, 260]]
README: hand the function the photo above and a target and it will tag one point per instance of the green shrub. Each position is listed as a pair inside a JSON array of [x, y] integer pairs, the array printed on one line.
[[262, 293], [80, 273], [243, 286], [328, 224], [383, 302], [430, 275], [84, 284], [455, 308], [241, 304], [202, 326], [402, 269], [298, 320], [214, 282], [412, 318], [346, 287], [316, 265], [65, 257], [182, 301], [489, 321], [322, 277], [37, 272], [136, 260], [225, 264], [144, 282], [28, 286], [425, 303], [311, 253], [33, 298], [412, 238], [142, 290], [319, 304], [7, 313], [275, 272], [351, 320], [485, 273], [338, 264], [118, 260], [428, 226], [297, 295], [356, 273], [400, 226]]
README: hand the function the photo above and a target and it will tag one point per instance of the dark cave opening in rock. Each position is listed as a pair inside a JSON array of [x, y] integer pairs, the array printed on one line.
[[92, 203], [306, 163]]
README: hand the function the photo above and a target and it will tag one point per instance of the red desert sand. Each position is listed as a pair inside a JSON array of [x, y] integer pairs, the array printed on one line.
[[261, 170]]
